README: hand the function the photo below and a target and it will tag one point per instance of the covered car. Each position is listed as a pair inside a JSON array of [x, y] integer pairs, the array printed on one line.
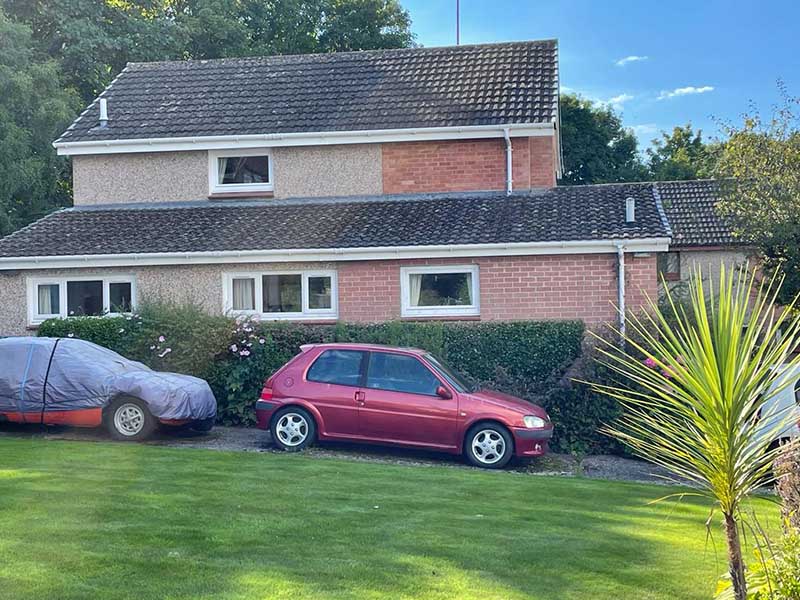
[[74, 382]]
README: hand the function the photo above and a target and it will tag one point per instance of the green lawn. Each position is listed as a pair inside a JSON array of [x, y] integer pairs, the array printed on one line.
[[104, 520]]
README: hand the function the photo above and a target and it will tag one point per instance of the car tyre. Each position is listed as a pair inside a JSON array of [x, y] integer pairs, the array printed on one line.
[[128, 419], [489, 446], [293, 429]]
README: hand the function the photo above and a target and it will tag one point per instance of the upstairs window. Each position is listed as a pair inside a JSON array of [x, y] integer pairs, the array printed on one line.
[[240, 171], [79, 297]]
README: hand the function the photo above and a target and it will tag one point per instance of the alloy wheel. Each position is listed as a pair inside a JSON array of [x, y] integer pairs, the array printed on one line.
[[292, 429], [488, 446], [129, 419]]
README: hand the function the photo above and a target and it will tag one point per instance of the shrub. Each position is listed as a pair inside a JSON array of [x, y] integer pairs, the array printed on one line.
[[527, 358], [787, 469]]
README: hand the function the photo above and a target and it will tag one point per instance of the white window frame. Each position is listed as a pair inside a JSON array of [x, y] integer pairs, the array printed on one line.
[[214, 185], [307, 314], [33, 283], [406, 310]]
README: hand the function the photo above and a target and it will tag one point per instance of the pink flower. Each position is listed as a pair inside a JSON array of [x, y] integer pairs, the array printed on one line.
[[262, 341], [667, 373], [244, 353], [650, 363], [165, 352], [162, 339], [234, 348]]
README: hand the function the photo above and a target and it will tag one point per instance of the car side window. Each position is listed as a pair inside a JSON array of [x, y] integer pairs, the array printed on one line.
[[342, 367], [400, 373]]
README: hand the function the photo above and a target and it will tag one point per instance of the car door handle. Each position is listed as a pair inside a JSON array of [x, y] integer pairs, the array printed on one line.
[[360, 397]]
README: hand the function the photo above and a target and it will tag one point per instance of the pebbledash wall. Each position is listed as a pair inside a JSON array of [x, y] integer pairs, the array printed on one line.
[[511, 288], [336, 170]]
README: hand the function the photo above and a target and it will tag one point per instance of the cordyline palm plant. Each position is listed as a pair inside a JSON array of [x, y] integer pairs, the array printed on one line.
[[700, 378]]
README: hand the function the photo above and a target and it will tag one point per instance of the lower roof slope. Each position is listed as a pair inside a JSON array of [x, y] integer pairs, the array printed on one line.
[[692, 214], [580, 213]]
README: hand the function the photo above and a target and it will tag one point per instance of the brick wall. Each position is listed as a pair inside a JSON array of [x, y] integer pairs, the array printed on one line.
[[467, 165], [511, 288]]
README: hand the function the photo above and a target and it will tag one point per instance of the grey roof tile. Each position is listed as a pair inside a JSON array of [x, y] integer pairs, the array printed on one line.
[[690, 208], [558, 214], [490, 84]]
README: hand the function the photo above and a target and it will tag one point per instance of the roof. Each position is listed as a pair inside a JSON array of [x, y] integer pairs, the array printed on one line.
[[690, 208], [488, 84], [579, 213], [362, 346]]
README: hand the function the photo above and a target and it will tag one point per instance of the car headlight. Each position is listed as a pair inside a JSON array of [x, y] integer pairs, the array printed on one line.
[[534, 422]]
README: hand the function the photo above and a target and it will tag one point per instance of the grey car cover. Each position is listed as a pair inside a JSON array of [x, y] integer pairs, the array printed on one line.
[[58, 374]]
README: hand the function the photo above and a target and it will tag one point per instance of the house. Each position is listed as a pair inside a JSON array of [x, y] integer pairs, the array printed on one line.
[[700, 236], [363, 186]]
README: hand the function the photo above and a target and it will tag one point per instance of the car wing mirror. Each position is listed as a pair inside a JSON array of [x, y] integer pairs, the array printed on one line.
[[443, 393]]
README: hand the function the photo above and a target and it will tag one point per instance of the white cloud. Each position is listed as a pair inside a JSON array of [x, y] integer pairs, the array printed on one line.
[[629, 59], [644, 129], [618, 101], [685, 91]]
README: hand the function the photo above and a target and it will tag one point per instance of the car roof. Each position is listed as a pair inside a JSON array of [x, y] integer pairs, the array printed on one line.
[[355, 346]]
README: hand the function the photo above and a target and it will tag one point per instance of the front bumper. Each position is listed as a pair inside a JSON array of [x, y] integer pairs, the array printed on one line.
[[531, 442], [264, 410]]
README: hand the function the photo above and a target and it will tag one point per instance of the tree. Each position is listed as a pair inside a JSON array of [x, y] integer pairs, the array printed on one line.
[[682, 155], [760, 170], [595, 145], [692, 405], [34, 109], [94, 39]]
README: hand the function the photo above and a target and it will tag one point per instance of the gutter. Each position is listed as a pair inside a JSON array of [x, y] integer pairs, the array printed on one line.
[[656, 244], [318, 138]]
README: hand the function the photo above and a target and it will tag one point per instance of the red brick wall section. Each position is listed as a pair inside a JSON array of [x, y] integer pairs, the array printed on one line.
[[543, 161], [467, 165], [511, 288]]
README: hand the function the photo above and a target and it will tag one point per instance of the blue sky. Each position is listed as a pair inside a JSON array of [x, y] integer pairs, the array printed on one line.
[[692, 61]]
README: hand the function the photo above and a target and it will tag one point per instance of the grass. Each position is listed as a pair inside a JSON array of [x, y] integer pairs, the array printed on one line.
[[104, 520]]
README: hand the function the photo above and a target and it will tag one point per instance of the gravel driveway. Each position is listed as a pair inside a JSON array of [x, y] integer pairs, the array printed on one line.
[[239, 439]]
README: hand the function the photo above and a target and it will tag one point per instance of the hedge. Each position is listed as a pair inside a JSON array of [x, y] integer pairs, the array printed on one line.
[[527, 359]]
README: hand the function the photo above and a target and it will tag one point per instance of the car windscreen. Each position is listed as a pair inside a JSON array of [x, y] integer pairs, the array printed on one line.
[[461, 382]]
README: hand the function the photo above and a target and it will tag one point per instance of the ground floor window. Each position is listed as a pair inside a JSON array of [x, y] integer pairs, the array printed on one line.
[[282, 295], [439, 291], [669, 266], [79, 296]]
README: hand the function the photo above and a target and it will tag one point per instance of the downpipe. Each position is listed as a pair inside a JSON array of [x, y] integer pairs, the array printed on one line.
[[509, 178], [621, 288]]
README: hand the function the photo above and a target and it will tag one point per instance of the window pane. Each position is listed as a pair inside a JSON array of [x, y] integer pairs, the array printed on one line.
[[342, 367], [244, 169], [669, 263], [400, 373], [85, 297], [48, 299], [244, 294], [282, 293], [319, 292], [120, 297], [441, 289]]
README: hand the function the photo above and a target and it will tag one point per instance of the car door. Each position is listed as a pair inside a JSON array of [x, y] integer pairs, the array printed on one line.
[[333, 384], [400, 404]]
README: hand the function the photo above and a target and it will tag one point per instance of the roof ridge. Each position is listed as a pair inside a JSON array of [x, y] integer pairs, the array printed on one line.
[[265, 57]]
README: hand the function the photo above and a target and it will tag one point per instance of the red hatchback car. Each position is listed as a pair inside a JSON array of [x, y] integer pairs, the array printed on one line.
[[398, 396]]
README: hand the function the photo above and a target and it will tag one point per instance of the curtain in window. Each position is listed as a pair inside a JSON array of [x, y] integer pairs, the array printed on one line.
[[414, 288], [222, 165], [46, 300], [244, 294]]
